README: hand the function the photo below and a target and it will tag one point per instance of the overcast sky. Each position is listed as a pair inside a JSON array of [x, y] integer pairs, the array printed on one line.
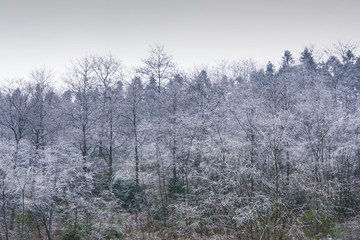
[[36, 33]]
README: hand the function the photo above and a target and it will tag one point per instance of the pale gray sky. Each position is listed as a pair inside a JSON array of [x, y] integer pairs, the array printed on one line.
[[36, 33]]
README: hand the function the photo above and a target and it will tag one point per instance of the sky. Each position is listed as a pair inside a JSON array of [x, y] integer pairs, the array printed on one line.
[[52, 33]]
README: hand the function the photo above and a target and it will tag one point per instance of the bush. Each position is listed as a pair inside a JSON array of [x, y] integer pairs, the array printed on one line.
[[326, 225], [175, 188], [113, 232], [73, 232], [125, 191]]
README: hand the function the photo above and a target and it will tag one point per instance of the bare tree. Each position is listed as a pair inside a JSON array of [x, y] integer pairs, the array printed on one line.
[[16, 109], [40, 110], [158, 65], [108, 75], [81, 83], [132, 113]]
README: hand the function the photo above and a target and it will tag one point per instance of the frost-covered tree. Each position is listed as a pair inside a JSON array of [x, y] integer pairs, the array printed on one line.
[[108, 74], [225, 151], [159, 65], [82, 112]]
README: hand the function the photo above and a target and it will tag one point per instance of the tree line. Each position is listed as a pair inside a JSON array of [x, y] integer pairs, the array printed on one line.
[[230, 151]]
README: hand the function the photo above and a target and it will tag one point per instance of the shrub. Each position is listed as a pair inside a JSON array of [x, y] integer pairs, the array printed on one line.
[[125, 191]]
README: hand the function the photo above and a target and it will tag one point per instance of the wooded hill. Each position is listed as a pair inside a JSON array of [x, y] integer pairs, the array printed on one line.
[[230, 151]]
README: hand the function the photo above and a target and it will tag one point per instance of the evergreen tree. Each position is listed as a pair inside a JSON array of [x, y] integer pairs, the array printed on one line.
[[307, 59]]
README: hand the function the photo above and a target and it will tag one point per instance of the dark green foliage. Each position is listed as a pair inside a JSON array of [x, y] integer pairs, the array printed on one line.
[[125, 191], [320, 225], [176, 188], [100, 185], [73, 232], [287, 58], [307, 59], [113, 233], [346, 201], [270, 69], [158, 211]]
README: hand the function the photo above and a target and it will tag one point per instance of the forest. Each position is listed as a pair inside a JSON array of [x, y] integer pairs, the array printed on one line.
[[229, 151]]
